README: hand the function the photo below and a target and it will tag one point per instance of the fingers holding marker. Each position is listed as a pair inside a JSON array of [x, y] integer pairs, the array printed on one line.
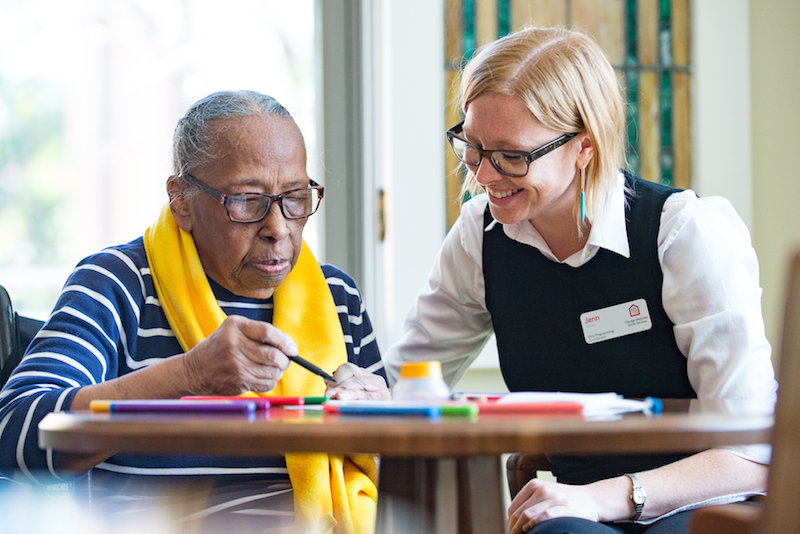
[[241, 355]]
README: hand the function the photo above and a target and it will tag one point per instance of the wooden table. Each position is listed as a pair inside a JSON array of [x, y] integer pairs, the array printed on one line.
[[418, 456]]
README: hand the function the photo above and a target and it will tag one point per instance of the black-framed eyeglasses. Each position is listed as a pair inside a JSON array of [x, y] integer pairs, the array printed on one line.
[[514, 163], [253, 207]]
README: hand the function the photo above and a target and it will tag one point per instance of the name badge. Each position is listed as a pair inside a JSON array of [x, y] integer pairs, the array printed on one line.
[[616, 321]]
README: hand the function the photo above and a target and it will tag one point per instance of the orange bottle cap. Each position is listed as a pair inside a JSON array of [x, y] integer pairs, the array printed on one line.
[[421, 370]]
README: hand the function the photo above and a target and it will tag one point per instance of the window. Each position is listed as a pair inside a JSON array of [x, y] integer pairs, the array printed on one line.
[[90, 92], [647, 42]]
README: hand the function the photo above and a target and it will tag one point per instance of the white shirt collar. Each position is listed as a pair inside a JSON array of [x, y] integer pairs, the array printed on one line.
[[608, 232]]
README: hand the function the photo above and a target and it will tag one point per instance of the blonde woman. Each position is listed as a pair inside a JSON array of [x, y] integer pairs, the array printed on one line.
[[554, 235]]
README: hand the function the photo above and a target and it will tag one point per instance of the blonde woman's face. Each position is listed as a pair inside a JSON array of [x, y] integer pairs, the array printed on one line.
[[546, 195]]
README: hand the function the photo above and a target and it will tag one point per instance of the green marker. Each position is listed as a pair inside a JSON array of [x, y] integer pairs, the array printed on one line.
[[462, 410], [315, 400]]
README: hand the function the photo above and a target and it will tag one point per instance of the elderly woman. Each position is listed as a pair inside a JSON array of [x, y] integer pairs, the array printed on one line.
[[210, 301], [561, 234]]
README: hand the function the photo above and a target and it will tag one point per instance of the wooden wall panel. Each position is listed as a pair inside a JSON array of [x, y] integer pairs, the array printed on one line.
[[485, 21], [649, 127], [538, 12], [452, 172], [453, 44], [681, 121], [647, 32], [605, 22], [680, 32]]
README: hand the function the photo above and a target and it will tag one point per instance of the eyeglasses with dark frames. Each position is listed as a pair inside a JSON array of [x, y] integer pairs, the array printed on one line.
[[253, 207], [514, 163]]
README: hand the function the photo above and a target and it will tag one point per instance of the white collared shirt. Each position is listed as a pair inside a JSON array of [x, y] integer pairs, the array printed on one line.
[[711, 293]]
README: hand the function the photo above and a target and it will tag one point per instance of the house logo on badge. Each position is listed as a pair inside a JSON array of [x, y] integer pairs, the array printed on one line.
[[634, 310]]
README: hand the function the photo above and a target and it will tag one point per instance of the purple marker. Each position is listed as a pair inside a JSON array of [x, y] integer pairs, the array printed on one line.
[[172, 405]]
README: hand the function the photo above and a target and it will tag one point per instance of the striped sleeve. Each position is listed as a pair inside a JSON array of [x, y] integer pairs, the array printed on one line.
[[89, 335], [362, 347], [108, 322]]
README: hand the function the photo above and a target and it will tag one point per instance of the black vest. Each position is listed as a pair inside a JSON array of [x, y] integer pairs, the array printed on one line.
[[536, 304]]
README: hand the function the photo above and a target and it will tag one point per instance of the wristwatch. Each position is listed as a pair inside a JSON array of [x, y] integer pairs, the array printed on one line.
[[638, 496]]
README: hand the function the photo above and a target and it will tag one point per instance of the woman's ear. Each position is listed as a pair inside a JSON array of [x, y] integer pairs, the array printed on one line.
[[585, 151], [178, 203]]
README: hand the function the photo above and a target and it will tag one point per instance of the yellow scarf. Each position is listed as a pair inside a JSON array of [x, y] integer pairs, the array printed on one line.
[[331, 492]]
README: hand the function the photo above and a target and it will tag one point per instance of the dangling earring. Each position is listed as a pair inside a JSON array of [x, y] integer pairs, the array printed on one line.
[[583, 195]]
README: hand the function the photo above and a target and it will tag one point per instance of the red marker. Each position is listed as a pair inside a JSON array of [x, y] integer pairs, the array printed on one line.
[[531, 407]]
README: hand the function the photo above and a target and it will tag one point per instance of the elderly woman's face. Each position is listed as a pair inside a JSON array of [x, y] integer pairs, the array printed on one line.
[[260, 155]]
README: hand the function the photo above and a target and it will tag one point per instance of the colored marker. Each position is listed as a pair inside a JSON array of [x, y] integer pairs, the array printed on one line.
[[315, 400], [532, 407], [477, 396], [171, 405], [293, 401], [654, 405], [262, 403], [285, 401], [388, 409], [462, 410]]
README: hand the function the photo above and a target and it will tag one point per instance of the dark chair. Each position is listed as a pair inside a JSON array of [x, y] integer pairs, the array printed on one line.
[[522, 467], [16, 332], [780, 512]]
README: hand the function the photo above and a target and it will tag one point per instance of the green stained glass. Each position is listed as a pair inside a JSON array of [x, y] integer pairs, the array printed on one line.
[[665, 34], [665, 103], [503, 17], [631, 46], [632, 85], [666, 108], [469, 29], [665, 91]]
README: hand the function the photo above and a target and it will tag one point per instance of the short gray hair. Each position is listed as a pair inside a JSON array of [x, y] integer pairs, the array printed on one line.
[[194, 140]]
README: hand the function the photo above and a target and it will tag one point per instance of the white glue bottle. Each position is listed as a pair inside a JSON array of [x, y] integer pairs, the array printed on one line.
[[421, 381]]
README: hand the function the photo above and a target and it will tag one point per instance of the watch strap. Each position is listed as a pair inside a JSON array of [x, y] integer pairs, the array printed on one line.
[[638, 496]]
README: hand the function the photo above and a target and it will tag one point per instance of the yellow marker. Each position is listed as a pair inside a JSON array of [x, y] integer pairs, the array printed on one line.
[[100, 405]]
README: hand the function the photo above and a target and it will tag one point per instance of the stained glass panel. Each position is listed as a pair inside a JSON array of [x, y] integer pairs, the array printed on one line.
[[468, 28], [503, 17], [648, 143], [539, 12], [647, 41], [604, 21], [682, 148], [486, 21]]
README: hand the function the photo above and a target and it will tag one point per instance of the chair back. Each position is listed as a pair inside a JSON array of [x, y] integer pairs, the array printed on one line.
[[8, 330], [781, 512], [16, 332], [522, 467]]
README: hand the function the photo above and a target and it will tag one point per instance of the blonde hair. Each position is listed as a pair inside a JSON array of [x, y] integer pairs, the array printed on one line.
[[568, 84]]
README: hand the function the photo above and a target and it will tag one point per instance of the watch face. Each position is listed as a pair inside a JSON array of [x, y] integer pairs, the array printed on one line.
[[638, 496]]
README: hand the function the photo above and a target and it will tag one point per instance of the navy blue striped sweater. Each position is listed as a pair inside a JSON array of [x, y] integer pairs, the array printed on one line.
[[108, 322]]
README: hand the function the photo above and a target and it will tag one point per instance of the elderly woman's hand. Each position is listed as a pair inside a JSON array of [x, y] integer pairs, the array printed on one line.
[[241, 355], [356, 383]]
